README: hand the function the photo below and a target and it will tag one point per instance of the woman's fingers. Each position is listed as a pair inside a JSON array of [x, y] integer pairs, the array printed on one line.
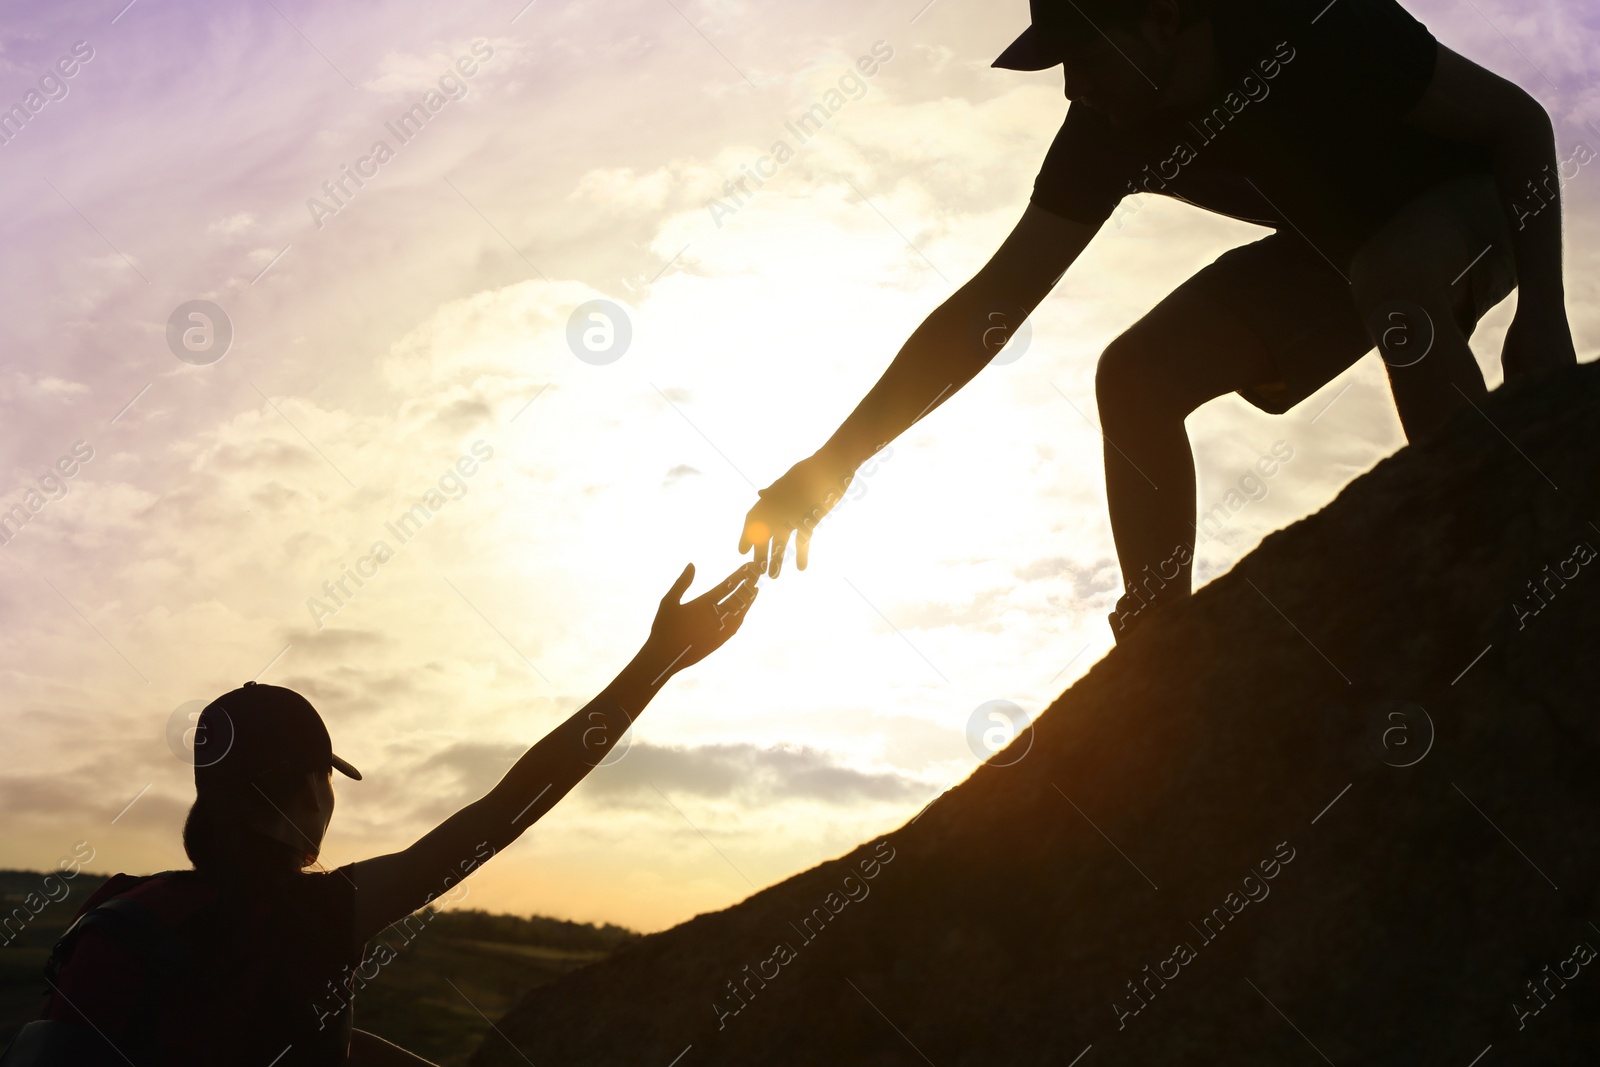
[[744, 572], [734, 593], [735, 618], [675, 594], [730, 613], [760, 559]]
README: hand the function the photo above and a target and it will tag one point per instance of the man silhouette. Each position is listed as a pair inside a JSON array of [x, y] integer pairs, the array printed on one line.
[[1408, 188]]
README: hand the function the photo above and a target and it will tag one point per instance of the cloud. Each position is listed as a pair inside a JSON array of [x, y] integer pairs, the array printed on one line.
[[1088, 580], [681, 471], [748, 774], [238, 222]]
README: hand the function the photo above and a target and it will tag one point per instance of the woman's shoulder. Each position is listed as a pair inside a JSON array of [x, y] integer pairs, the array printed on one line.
[[321, 905], [324, 888]]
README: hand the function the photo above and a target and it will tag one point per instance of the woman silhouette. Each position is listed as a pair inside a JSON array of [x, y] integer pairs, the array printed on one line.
[[249, 958]]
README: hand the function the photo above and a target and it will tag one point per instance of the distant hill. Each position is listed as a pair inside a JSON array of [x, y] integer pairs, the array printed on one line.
[[1342, 808], [493, 960]]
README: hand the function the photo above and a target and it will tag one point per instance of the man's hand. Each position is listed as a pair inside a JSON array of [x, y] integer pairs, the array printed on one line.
[[1537, 340], [795, 503], [686, 633]]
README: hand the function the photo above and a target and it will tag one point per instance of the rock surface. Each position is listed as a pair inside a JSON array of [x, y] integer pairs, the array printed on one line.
[[1341, 807]]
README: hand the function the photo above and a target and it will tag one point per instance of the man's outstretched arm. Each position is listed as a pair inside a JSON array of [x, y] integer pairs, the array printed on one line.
[[955, 342], [1466, 102]]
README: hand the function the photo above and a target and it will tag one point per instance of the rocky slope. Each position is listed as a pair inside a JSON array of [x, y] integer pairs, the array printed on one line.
[[1343, 808]]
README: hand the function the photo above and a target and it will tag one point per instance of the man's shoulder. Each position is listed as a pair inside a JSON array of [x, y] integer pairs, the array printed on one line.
[[1309, 20], [1249, 22]]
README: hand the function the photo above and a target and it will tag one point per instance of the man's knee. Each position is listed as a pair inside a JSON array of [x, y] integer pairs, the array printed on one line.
[[1132, 378], [1412, 259]]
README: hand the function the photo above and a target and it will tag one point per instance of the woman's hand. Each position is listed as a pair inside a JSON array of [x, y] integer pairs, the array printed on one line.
[[686, 633]]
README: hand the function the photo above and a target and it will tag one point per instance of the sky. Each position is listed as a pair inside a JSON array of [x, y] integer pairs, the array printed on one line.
[[383, 340]]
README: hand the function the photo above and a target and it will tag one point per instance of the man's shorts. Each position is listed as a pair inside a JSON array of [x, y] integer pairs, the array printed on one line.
[[1301, 307]]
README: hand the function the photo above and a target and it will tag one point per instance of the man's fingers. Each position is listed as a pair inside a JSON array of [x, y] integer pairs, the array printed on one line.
[[754, 531], [780, 544]]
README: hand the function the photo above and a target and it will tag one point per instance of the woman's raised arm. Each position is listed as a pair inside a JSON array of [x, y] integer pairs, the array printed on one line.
[[390, 887]]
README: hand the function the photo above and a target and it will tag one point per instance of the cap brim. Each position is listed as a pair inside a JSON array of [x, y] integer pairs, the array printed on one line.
[[1026, 53], [345, 769]]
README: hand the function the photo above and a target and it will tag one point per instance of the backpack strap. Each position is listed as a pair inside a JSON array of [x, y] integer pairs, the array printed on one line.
[[147, 937], [151, 941], [160, 950]]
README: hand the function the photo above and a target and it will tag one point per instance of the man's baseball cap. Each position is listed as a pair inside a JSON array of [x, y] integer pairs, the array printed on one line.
[[1060, 27], [257, 729], [1063, 27]]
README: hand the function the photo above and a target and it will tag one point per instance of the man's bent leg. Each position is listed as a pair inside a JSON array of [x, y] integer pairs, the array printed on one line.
[[1411, 284], [1271, 320], [1185, 351]]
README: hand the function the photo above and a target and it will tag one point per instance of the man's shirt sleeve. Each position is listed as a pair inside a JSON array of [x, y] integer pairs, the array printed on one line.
[[1078, 180]]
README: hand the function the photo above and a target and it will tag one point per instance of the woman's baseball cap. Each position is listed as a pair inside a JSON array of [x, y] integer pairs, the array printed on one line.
[[257, 729]]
